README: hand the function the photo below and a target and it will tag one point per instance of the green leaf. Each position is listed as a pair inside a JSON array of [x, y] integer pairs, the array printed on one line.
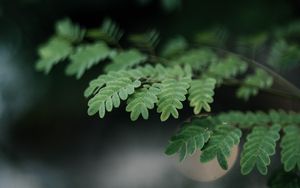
[[68, 30], [226, 68], [260, 145], [51, 53], [172, 93], [215, 37], [198, 59], [251, 43], [110, 32], [112, 93], [87, 56], [284, 56], [290, 145], [252, 83], [125, 60], [142, 100], [220, 144], [190, 138], [201, 94], [174, 46], [148, 40]]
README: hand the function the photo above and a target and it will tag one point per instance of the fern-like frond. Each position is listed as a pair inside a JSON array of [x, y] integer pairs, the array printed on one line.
[[283, 55], [290, 31], [260, 145], [96, 84], [251, 119], [226, 68], [251, 43], [142, 100], [137, 73], [290, 144], [69, 31], [87, 56], [216, 36], [201, 94], [253, 83], [197, 59], [174, 47], [112, 93], [125, 60], [51, 53], [245, 120], [220, 144], [148, 40], [110, 32], [190, 138], [171, 96]]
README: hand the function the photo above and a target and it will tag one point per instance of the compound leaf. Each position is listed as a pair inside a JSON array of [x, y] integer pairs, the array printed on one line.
[[190, 138], [142, 100], [86, 56], [201, 94], [125, 60], [51, 53], [290, 145], [68, 30], [220, 144], [171, 96], [112, 93], [260, 145], [253, 83]]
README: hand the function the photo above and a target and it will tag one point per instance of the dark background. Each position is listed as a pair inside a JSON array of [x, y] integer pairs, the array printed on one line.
[[46, 137]]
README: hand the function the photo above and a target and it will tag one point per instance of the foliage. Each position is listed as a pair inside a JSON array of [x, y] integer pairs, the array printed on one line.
[[201, 94], [222, 140], [284, 55], [216, 36], [110, 32], [52, 53], [193, 136], [183, 74], [86, 56], [260, 144], [144, 99], [174, 46], [290, 144], [147, 41], [252, 83], [125, 59]]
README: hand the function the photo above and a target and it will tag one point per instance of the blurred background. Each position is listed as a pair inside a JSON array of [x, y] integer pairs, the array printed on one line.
[[46, 137]]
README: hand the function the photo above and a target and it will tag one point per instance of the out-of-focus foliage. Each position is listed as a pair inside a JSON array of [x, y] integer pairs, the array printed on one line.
[[110, 32], [146, 41], [174, 47], [216, 36], [283, 55], [252, 83], [184, 73]]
